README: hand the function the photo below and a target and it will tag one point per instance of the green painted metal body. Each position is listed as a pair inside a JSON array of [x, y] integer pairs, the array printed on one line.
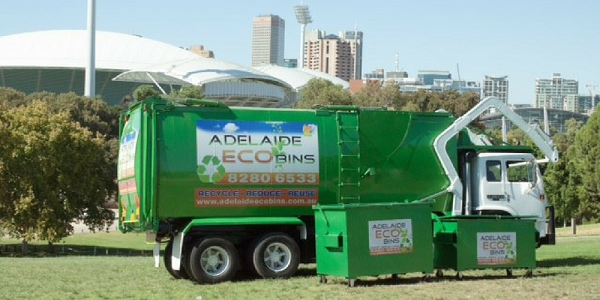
[[477, 242], [268, 221], [198, 164], [364, 156], [373, 239]]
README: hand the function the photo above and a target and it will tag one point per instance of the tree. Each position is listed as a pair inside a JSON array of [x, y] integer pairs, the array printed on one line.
[[586, 156], [427, 101], [563, 182], [323, 92], [49, 174], [191, 91], [93, 114], [369, 95], [375, 95], [390, 94], [144, 91], [10, 97]]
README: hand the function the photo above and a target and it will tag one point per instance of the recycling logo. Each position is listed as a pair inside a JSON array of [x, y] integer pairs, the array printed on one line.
[[210, 170]]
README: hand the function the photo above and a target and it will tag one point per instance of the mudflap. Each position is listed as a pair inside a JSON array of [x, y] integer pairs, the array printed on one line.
[[550, 238]]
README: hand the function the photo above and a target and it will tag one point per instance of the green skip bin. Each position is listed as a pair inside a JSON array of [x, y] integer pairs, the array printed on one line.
[[476, 242], [355, 240]]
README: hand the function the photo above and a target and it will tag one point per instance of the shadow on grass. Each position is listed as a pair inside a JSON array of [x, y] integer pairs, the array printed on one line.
[[568, 262], [400, 280], [14, 250]]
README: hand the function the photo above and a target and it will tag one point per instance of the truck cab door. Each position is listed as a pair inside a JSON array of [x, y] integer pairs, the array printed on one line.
[[524, 184]]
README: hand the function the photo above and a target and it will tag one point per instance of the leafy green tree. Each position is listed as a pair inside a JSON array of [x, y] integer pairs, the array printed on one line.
[[586, 156], [427, 101], [93, 114], [563, 182], [368, 96], [49, 174], [144, 91], [375, 95], [192, 91], [390, 93], [10, 97], [323, 92]]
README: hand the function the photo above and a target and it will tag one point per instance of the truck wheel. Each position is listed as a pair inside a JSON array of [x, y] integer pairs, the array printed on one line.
[[213, 260], [276, 255], [181, 274]]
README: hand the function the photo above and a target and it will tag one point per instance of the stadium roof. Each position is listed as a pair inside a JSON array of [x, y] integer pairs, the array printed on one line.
[[298, 78], [55, 61], [68, 49], [196, 71]]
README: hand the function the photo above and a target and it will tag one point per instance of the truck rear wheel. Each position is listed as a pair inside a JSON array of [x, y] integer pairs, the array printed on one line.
[[181, 274], [275, 255], [213, 260]]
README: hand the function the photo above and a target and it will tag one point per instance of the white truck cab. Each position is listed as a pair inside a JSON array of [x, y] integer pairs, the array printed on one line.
[[501, 183], [507, 184]]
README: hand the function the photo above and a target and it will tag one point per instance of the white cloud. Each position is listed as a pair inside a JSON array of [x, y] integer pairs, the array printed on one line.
[[230, 128]]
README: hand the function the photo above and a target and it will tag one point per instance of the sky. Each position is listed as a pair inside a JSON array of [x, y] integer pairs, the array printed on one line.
[[523, 40]]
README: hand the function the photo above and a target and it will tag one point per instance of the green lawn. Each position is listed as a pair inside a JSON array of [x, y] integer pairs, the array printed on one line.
[[568, 270]]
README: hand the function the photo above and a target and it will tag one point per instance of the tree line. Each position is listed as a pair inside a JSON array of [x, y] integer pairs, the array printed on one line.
[[373, 94], [58, 154]]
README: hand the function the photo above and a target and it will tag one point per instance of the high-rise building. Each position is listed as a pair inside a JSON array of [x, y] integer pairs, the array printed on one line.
[[427, 77], [496, 86], [340, 56], [557, 93], [268, 39], [199, 49]]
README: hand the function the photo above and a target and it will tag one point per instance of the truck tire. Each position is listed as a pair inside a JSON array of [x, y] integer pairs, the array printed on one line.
[[213, 260], [275, 255], [181, 274]]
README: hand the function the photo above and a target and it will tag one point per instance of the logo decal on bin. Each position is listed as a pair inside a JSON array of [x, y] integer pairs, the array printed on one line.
[[390, 237], [496, 248]]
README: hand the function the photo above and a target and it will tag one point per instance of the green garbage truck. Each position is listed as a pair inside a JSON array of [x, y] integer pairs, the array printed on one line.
[[232, 188]]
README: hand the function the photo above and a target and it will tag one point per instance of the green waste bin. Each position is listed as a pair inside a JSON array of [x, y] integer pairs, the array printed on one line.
[[355, 240], [477, 242]]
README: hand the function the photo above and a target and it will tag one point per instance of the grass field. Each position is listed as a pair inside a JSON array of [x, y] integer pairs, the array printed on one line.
[[569, 270]]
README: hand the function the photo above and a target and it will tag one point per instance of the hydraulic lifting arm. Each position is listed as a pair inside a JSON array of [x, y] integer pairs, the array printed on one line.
[[539, 137]]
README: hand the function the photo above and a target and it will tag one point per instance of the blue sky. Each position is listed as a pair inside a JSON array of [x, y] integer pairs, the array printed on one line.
[[522, 39]]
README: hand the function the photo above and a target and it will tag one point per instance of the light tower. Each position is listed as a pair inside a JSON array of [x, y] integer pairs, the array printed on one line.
[[90, 69], [303, 17]]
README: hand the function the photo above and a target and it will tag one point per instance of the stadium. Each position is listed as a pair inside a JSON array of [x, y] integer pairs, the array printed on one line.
[[55, 61]]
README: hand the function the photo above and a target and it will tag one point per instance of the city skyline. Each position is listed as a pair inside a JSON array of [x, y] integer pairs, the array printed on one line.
[[524, 41]]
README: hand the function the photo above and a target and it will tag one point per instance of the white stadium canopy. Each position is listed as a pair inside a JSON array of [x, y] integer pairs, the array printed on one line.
[[68, 49], [230, 83], [55, 61], [298, 78]]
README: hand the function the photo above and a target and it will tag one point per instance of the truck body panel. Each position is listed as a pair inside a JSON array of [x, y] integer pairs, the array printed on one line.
[[179, 150]]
